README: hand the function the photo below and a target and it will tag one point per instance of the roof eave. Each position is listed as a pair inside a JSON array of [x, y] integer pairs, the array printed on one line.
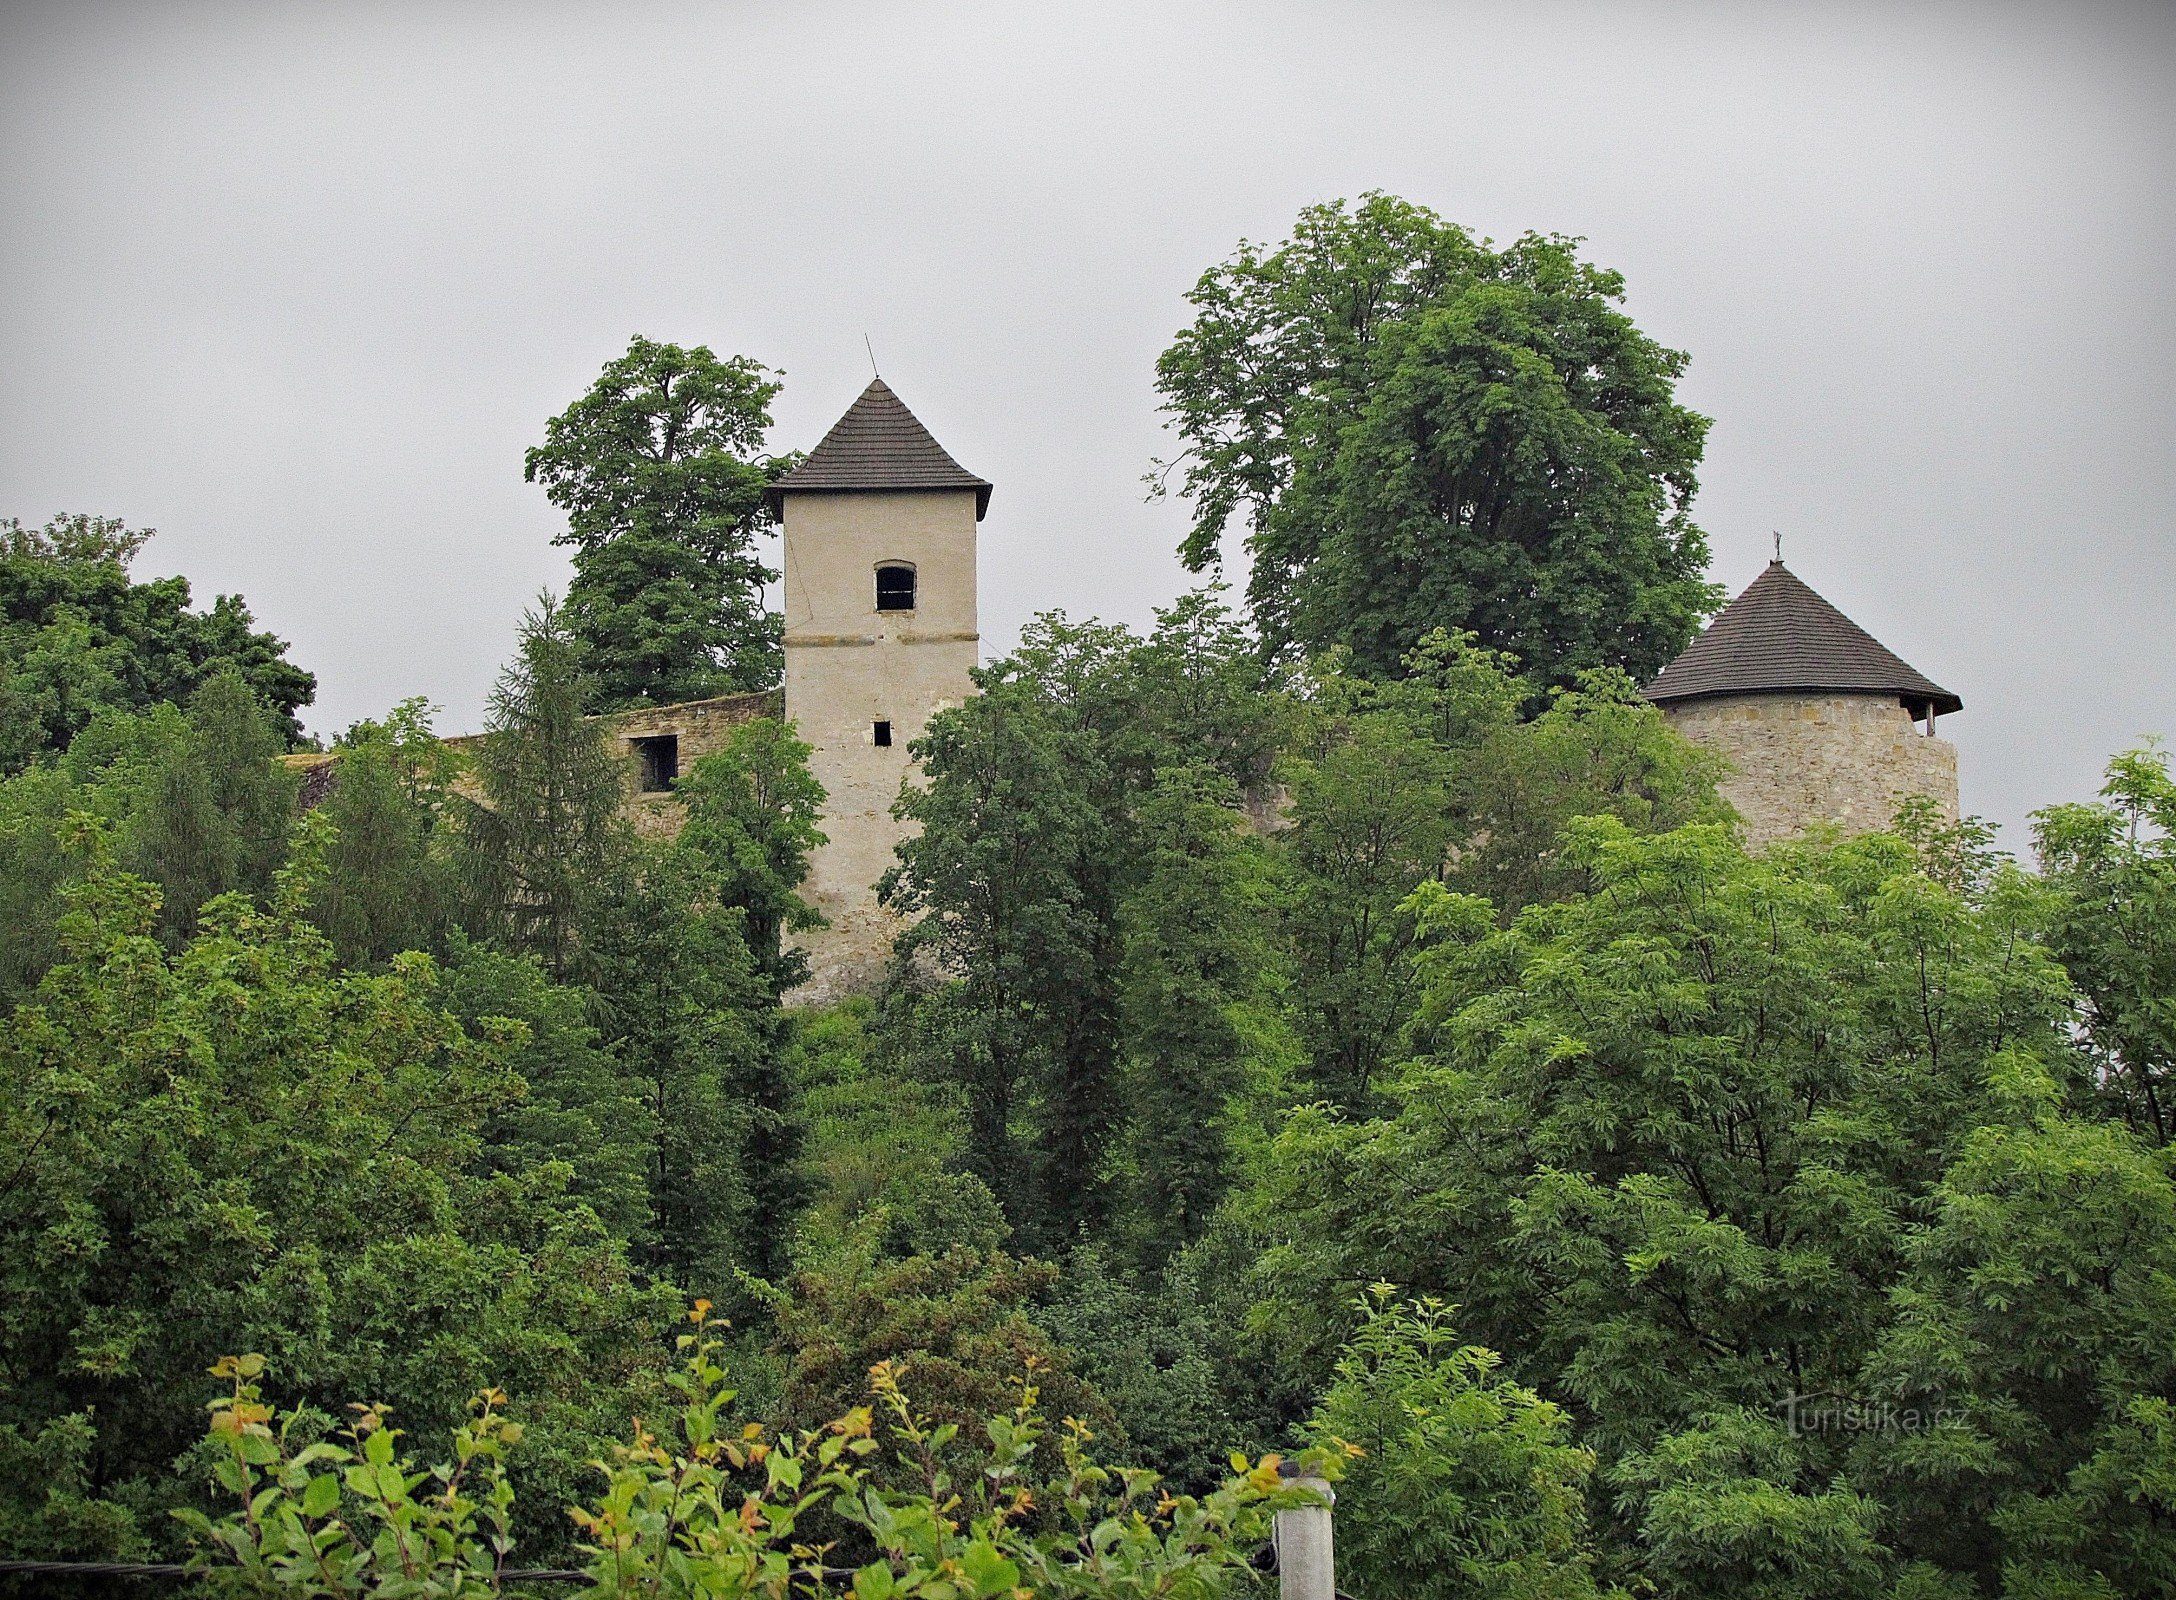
[[775, 496], [1943, 702]]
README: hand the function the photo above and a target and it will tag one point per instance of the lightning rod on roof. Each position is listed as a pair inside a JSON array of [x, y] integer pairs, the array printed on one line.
[[866, 345]]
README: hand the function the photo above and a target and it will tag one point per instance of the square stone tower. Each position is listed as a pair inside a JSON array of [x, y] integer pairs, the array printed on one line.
[[881, 634]]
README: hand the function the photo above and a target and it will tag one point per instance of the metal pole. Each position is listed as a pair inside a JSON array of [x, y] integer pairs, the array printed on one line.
[[1306, 1555]]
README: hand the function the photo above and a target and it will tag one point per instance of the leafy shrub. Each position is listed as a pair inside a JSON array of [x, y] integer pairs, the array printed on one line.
[[703, 1509], [1462, 1483]]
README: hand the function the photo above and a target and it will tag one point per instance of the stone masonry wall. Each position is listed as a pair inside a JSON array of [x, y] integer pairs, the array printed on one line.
[[701, 726], [1796, 760]]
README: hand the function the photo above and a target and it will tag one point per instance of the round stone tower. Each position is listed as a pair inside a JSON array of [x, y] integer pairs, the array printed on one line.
[[1818, 720], [880, 527]]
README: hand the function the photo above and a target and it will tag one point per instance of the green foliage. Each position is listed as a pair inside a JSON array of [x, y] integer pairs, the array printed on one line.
[[958, 1322], [581, 1114], [2112, 922], [545, 833], [701, 1510], [386, 888], [752, 808], [1371, 819], [1162, 1355], [1731, 1506], [1197, 1007], [78, 636], [239, 1137], [683, 1009], [995, 876], [1598, 750], [50, 1505], [1771, 1168], [658, 472], [209, 809], [320, 1518], [1459, 1484], [2034, 1323], [1424, 431], [886, 1152]]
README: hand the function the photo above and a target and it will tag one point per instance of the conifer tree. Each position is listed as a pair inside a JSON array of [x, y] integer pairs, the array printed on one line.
[[214, 807], [681, 1006], [548, 830]]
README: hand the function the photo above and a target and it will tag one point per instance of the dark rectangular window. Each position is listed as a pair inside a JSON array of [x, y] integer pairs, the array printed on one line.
[[895, 588], [659, 757], [882, 733]]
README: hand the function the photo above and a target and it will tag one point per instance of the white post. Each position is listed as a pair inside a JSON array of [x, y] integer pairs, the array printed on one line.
[[1306, 1556]]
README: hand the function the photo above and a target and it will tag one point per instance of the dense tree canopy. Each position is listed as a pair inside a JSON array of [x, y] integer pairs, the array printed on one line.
[[79, 636], [1423, 430], [659, 470]]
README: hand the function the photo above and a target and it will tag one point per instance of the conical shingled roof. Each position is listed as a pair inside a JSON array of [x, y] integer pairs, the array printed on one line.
[[1779, 637], [879, 444]]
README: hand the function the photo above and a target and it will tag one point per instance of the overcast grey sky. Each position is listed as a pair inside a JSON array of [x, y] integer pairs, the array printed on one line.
[[298, 284]]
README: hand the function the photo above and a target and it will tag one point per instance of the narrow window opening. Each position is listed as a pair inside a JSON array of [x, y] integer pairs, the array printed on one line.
[[895, 588], [659, 760], [882, 733]]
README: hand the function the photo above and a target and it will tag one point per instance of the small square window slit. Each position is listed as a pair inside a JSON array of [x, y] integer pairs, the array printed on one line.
[[658, 760]]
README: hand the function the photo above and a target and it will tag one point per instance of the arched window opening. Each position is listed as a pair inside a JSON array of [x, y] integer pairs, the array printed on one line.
[[894, 588]]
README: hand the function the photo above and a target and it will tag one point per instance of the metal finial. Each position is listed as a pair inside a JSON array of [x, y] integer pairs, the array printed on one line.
[[866, 345], [1779, 545]]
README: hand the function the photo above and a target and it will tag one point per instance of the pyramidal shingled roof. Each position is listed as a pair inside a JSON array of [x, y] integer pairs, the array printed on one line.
[[880, 444], [1779, 637]]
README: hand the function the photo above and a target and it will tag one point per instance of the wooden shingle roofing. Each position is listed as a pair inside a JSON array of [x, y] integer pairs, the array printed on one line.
[[879, 444], [1779, 637]]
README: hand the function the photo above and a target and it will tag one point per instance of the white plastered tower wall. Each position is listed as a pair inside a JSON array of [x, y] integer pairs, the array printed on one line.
[[864, 673]]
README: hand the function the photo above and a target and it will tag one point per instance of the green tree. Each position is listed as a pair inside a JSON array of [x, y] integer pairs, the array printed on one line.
[[1156, 1349], [1424, 430], [579, 1108], [1460, 1485], [78, 635], [240, 1140], [209, 807], [1672, 1144], [992, 875], [1196, 1005], [2031, 1328], [1079, 721], [1599, 749], [2113, 924], [683, 1007], [752, 808], [958, 1322], [385, 888], [657, 468], [1370, 820], [546, 832], [886, 1151]]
